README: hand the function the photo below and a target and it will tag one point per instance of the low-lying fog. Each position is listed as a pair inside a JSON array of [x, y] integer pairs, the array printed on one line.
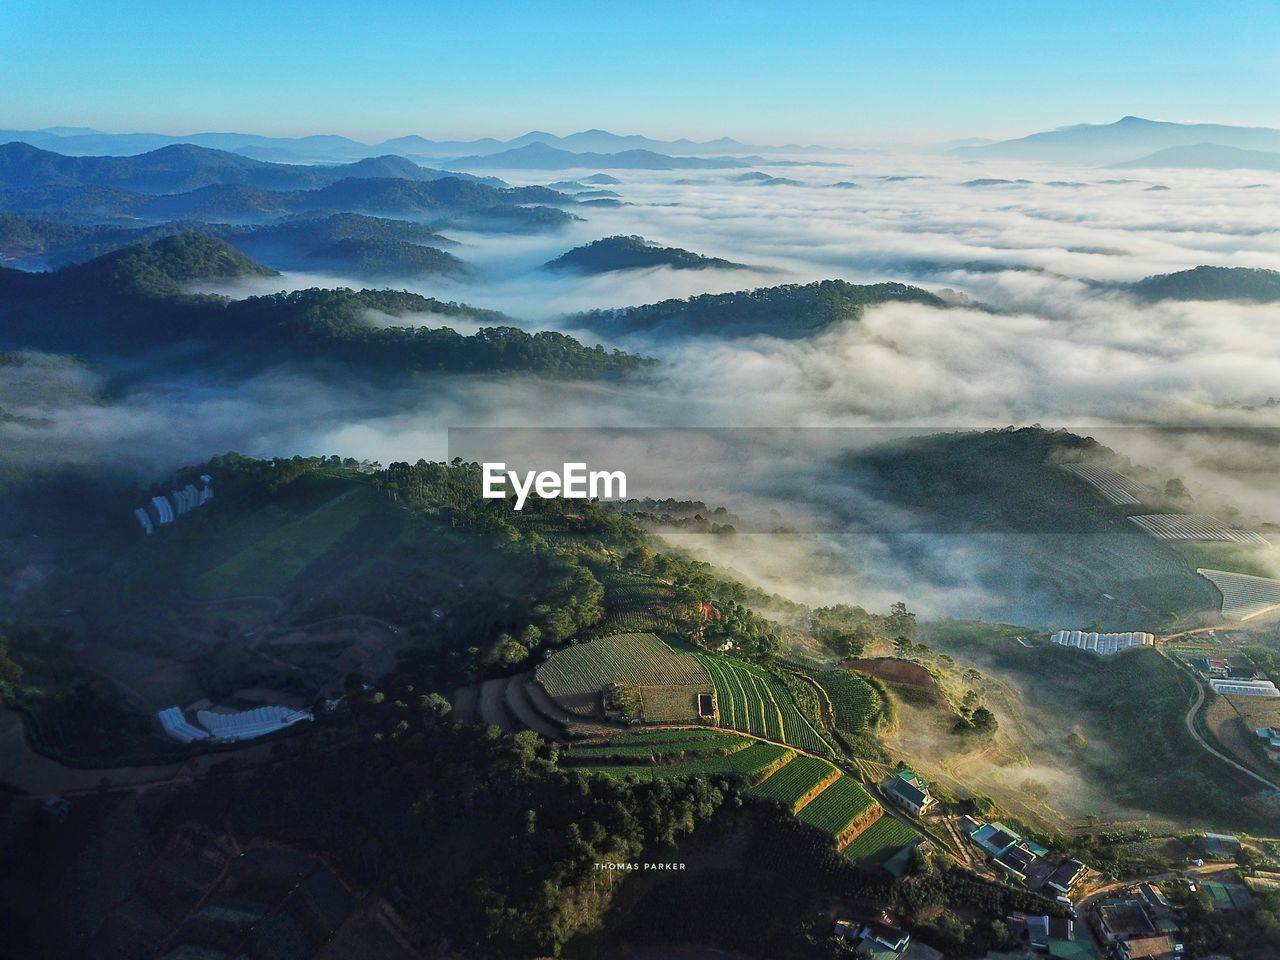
[[1057, 347]]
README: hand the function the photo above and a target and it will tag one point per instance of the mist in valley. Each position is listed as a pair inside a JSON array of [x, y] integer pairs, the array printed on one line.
[[1041, 334]]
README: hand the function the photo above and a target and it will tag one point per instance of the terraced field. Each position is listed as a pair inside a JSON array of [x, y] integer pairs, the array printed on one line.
[[659, 746], [854, 702], [755, 762], [840, 808], [883, 838], [798, 782], [753, 700]]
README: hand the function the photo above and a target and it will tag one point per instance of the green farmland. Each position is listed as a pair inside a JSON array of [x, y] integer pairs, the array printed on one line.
[[854, 702], [753, 700], [886, 836], [795, 781], [838, 807], [754, 763]]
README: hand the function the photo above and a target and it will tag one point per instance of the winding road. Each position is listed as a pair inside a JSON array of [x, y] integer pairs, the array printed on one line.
[[1190, 722]]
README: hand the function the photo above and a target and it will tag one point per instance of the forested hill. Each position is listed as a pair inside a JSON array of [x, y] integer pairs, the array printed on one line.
[[789, 311], [131, 302], [630, 253], [1212, 283], [354, 242]]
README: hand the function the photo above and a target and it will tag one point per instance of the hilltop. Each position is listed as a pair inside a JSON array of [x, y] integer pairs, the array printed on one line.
[[789, 311], [385, 258], [633, 253], [1212, 283]]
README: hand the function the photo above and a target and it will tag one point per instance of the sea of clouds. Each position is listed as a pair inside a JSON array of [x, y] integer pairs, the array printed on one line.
[[1048, 337]]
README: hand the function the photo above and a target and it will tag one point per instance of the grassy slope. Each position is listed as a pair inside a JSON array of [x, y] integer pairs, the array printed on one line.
[[1030, 532], [269, 563]]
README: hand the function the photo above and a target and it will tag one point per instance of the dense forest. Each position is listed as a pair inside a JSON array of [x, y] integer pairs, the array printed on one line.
[[633, 253], [1212, 283]]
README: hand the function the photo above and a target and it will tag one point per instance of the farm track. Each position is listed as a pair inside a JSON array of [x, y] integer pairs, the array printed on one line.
[[1193, 729]]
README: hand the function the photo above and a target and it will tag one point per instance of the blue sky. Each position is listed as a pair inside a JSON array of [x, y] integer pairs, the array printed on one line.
[[833, 72]]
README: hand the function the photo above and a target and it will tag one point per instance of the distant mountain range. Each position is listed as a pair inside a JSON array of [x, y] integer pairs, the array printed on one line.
[[76, 141], [1207, 156], [197, 183], [183, 167], [540, 156], [1126, 139]]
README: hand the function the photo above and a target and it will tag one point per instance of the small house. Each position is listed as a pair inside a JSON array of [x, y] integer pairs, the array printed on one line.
[[910, 792]]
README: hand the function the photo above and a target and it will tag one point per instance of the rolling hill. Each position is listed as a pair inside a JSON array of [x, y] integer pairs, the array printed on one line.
[[370, 257], [1212, 283], [788, 311], [634, 253], [183, 167], [131, 305], [1206, 156]]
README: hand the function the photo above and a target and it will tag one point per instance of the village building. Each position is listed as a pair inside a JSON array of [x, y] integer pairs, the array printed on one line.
[[1223, 846], [1065, 876], [909, 791], [874, 938]]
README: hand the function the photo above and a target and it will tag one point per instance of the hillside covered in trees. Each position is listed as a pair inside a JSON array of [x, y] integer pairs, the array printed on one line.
[[787, 311], [133, 301], [634, 253], [1212, 283]]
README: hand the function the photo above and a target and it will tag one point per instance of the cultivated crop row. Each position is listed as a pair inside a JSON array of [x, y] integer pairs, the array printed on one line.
[[885, 835], [854, 702], [836, 807], [634, 658], [796, 781], [753, 700], [753, 762], [642, 748]]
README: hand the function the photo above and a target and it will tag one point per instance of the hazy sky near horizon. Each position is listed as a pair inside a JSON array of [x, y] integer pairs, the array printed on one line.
[[823, 71]]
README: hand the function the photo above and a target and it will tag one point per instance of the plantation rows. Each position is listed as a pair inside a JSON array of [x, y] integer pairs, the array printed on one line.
[[794, 781], [888, 834], [751, 763], [755, 701], [635, 658], [636, 621], [854, 702], [837, 806]]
